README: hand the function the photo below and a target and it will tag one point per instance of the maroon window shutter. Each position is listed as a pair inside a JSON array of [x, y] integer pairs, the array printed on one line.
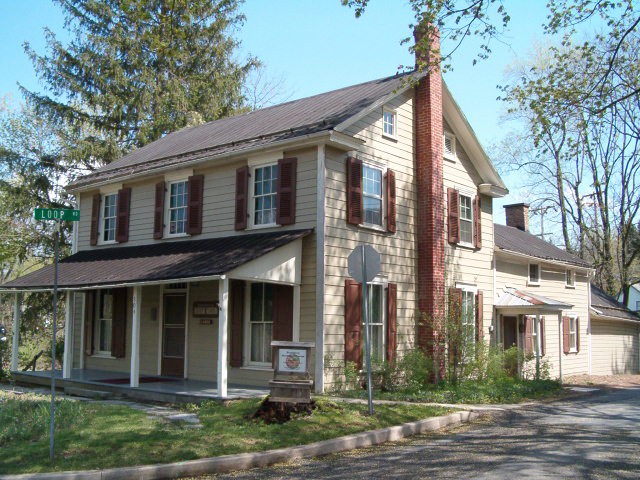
[[453, 217], [528, 335], [566, 344], [242, 197], [391, 201], [578, 334], [158, 213], [119, 323], [195, 187], [543, 340], [124, 207], [95, 219], [282, 313], [353, 322], [477, 223], [354, 191], [286, 188], [236, 304], [392, 324], [479, 314], [90, 308]]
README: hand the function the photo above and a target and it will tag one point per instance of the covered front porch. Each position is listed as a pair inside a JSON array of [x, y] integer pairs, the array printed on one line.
[[151, 388], [203, 332]]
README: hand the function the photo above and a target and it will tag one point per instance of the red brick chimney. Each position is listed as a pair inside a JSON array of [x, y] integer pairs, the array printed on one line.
[[430, 208], [517, 215]]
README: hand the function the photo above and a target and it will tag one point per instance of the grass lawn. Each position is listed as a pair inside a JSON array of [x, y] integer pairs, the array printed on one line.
[[507, 390], [93, 435]]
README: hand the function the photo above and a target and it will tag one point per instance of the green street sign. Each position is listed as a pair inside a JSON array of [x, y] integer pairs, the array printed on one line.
[[56, 214]]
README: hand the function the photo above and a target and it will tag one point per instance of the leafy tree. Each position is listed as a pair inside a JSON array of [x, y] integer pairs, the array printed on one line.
[[137, 70]]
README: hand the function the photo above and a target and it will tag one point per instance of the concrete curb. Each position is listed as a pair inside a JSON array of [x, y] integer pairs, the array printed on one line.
[[243, 461]]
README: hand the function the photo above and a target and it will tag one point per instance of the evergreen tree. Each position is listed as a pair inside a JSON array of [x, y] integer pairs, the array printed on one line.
[[136, 70]]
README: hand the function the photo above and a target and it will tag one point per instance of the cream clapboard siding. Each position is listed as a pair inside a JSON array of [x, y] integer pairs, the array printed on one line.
[[614, 347], [464, 264], [514, 273], [218, 221], [397, 250], [148, 338]]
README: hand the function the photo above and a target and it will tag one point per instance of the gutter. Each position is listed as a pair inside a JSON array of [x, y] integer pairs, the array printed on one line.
[[538, 259]]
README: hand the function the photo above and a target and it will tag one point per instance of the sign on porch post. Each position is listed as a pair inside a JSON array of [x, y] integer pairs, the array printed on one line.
[[364, 265], [55, 214]]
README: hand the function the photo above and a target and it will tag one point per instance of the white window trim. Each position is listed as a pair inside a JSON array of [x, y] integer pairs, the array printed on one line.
[[572, 348], [101, 219], [246, 349], [251, 207], [470, 196], [569, 273], [383, 190], [395, 123], [167, 204], [529, 281], [473, 289], [98, 323], [383, 282], [454, 155]]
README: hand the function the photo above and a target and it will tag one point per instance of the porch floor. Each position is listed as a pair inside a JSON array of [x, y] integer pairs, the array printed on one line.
[[153, 388]]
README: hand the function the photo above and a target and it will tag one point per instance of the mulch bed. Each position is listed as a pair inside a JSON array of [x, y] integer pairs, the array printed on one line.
[[280, 412]]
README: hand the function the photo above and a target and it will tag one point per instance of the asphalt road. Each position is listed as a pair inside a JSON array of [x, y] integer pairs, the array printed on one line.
[[594, 437]]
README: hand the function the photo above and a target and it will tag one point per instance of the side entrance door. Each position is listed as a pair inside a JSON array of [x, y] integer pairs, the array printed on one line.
[[173, 334]]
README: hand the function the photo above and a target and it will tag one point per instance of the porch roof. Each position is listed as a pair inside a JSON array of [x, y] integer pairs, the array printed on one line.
[[157, 262], [514, 298]]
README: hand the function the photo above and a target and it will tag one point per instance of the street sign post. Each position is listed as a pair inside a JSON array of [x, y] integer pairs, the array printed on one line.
[[364, 264], [55, 214]]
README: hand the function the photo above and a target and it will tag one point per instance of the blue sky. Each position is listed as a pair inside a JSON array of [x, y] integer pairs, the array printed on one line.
[[318, 45]]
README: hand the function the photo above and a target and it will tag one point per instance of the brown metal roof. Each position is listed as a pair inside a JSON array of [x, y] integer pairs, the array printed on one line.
[[287, 120], [607, 306], [514, 240], [157, 262]]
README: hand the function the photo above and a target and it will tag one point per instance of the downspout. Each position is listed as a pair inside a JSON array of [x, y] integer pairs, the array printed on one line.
[[498, 332], [320, 269], [589, 319], [560, 346]]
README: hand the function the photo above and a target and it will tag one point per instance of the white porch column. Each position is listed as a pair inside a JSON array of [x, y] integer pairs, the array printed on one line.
[[223, 325], [296, 314], [135, 338], [67, 362], [560, 347], [17, 300]]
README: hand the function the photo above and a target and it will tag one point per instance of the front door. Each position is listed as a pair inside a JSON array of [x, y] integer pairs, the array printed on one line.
[[510, 331], [175, 310]]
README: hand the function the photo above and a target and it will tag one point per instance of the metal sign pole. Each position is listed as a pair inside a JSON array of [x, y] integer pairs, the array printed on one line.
[[53, 341], [367, 331]]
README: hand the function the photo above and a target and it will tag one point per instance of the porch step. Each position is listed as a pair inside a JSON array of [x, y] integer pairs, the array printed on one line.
[[87, 393]]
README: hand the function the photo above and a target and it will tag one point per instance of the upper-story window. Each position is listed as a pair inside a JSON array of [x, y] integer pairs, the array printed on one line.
[[372, 195], [466, 220], [449, 146], [264, 194], [177, 208], [109, 217], [534, 274], [570, 278], [389, 126]]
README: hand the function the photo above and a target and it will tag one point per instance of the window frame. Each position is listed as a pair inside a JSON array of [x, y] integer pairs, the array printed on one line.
[[471, 220], [637, 305], [394, 123], [382, 284], [167, 208], [251, 206], [468, 319], [573, 345], [248, 363], [570, 278], [453, 156], [382, 197], [102, 219], [537, 282], [100, 324]]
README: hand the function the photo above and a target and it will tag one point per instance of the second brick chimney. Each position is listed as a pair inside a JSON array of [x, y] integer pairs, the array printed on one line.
[[517, 216]]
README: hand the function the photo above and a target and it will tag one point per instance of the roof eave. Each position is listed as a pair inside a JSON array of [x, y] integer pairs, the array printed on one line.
[[506, 252]]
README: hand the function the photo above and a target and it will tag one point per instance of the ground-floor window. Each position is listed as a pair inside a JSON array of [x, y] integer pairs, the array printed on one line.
[[260, 323], [104, 316], [377, 322], [573, 334]]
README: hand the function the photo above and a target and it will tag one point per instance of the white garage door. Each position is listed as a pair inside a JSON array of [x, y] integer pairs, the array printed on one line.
[[614, 347]]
